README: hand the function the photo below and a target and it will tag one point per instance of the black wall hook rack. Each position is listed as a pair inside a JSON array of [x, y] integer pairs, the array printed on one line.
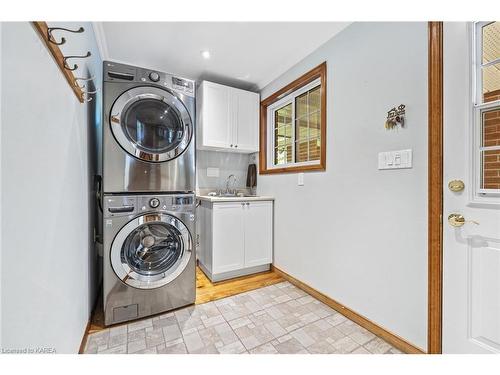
[[52, 45], [51, 38], [75, 66]]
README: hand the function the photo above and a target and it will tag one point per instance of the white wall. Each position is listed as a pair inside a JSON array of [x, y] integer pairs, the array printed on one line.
[[357, 234], [48, 259]]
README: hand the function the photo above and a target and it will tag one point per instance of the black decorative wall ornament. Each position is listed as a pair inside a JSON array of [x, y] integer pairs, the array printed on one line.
[[396, 117]]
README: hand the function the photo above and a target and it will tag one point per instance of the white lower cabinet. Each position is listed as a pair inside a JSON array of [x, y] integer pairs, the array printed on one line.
[[258, 224], [228, 234], [236, 238]]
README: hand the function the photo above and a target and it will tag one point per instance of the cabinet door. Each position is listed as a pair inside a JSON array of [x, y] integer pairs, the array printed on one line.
[[258, 233], [217, 116], [228, 237], [246, 120]]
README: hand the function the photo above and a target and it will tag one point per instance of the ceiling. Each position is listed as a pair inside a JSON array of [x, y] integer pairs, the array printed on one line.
[[248, 55]]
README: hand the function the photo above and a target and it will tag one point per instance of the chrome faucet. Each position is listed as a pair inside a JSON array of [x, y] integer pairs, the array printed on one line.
[[228, 181]]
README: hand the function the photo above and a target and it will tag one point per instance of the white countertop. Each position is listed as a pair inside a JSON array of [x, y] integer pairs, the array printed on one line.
[[208, 198]]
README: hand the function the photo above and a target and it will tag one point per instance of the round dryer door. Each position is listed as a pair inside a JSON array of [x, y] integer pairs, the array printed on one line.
[[151, 124], [151, 251]]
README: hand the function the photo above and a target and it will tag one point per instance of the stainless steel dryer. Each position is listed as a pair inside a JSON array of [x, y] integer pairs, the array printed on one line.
[[148, 132], [149, 255]]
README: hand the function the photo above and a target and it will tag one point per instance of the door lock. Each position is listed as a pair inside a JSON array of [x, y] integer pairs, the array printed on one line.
[[457, 220], [456, 185]]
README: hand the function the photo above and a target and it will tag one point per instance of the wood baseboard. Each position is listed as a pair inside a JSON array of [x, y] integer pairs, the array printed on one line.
[[84, 338], [390, 337], [89, 323]]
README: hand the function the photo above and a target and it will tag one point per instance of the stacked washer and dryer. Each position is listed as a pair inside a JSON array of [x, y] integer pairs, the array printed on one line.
[[148, 200]]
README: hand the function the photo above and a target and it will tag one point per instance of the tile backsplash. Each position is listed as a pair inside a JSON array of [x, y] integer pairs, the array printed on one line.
[[227, 163]]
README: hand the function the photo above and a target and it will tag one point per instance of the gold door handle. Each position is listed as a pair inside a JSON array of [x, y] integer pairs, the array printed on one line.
[[457, 220]]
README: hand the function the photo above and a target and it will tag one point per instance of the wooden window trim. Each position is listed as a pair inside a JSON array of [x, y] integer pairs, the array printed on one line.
[[317, 72]]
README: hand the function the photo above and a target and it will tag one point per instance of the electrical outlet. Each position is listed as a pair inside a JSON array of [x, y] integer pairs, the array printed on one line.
[[212, 172]]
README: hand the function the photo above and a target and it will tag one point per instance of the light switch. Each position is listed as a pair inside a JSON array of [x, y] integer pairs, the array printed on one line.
[[300, 179], [212, 172], [395, 159]]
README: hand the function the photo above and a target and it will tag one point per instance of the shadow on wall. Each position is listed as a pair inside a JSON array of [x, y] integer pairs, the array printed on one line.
[[94, 136]]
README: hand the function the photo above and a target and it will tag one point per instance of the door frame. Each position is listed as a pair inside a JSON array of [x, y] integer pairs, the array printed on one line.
[[435, 188]]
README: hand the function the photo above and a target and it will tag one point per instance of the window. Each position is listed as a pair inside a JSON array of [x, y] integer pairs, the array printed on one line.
[[486, 107], [293, 126]]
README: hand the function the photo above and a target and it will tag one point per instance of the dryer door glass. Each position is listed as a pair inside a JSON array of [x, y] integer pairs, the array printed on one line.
[[152, 249], [153, 126]]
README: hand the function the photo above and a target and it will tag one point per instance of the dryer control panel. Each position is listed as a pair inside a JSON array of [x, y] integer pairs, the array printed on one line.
[[116, 72], [119, 205]]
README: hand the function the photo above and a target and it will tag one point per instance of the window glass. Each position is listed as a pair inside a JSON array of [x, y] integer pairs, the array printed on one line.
[[315, 99], [283, 135], [491, 82], [490, 149], [491, 42], [490, 171], [490, 71], [307, 125]]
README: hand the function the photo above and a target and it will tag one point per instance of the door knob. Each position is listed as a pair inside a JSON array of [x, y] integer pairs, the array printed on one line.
[[456, 185], [457, 220]]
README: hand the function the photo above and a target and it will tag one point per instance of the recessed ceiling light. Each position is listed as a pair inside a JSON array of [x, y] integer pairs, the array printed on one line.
[[205, 54]]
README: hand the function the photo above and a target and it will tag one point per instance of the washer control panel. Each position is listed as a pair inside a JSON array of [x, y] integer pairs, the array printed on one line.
[[154, 202], [118, 205], [154, 76]]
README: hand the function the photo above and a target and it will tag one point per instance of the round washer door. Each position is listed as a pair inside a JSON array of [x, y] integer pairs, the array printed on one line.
[[151, 124], [151, 250]]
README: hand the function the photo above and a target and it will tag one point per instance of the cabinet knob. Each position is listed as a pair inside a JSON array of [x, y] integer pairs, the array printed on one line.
[[231, 145], [235, 145]]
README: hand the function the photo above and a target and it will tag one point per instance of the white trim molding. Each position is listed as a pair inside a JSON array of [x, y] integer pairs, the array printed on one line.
[[101, 40]]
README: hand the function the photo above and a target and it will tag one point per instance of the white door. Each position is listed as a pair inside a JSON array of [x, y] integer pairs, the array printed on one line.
[[216, 115], [258, 233], [246, 120], [228, 237], [471, 258]]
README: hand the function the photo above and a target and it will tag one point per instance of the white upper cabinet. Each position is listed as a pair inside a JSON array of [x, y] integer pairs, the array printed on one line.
[[228, 118], [246, 123]]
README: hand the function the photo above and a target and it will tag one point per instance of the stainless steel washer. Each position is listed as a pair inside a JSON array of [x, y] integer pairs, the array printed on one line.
[[149, 255], [148, 132]]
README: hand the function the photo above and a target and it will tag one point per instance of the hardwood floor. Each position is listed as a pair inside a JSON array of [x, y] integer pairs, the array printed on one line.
[[206, 291]]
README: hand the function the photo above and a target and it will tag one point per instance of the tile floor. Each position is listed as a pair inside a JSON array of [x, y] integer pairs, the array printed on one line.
[[277, 319]]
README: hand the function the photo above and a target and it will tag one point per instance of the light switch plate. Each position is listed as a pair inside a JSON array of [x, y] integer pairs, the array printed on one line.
[[400, 159], [212, 172], [300, 179]]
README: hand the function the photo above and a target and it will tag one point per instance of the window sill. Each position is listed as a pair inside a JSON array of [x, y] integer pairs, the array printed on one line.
[[297, 169]]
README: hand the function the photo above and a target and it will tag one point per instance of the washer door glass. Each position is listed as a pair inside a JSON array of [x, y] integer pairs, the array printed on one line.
[[151, 124], [151, 250]]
